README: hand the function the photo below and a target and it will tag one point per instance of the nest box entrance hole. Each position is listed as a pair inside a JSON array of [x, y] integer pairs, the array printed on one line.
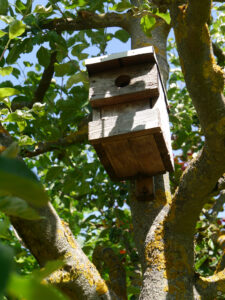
[[122, 80]]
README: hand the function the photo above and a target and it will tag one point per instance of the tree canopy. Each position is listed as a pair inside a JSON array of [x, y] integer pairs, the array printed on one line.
[[67, 231]]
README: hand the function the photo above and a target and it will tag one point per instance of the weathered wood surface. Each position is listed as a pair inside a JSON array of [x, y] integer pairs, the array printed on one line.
[[130, 156], [113, 61], [126, 123], [161, 104], [130, 127], [143, 84]]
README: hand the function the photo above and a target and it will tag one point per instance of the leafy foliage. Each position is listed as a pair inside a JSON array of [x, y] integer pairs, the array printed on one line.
[[96, 209]]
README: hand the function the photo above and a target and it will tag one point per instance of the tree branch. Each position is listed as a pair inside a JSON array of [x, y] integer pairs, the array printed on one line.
[[71, 139], [193, 9], [218, 52], [49, 239], [209, 287], [204, 80], [117, 273], [88, 20], [42, 87]]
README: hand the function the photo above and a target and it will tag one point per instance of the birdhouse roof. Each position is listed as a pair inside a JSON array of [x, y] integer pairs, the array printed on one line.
[[121, 59]]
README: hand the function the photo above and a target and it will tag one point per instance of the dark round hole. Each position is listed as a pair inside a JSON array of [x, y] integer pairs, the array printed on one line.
[[122, 80]]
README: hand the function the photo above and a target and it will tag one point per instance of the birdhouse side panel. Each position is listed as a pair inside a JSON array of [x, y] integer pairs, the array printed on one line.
[[161, 104], [125, 84]]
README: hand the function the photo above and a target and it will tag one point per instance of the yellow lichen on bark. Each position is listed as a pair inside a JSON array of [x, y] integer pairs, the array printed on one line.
[[218, 279], [215, 74], [154, 251], [101, 287], [69, 235], [162, 198]]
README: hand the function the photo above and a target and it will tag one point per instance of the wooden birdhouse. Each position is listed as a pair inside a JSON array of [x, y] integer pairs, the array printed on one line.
[[130, 127]]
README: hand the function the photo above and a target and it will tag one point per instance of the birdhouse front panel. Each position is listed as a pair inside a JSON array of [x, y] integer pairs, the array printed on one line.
[[124, 84], [130, 127]]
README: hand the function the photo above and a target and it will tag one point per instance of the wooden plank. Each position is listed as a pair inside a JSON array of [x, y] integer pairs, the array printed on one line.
[[106, 62], [96, 114], [121, 158], [123, 109], [165, 126], [144, 188], [143, 84], [146, 152], [125, 124], [99, 148], [164, 152]]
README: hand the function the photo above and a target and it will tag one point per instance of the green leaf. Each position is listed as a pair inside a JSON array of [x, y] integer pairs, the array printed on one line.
[[6, 92], [25, 140], [19, 116], [220, 8], [122, 35], [16, 28], [121, 6], [4, 229], [11, 151], [200, 262], [6, 71], [53, 173], [6, 101], [66, 68], [40, 9], [76, 3], [76, 78], [13, 206], [147, 24], [39, 108], [43, 56], [211, 244], [29, 288], [165, 17], [22, 125], [4, 6], [6, 263], [2, 33], [7, 19], [17, 180], [77, 49]]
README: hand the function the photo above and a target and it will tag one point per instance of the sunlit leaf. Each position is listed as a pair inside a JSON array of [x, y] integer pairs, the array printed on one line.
[[40, 9], [121, 6], [6, 71], [25, 140], [7, 19], [165, 17], [147, 24], [16, 28], [2, 33], [6, 92]]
